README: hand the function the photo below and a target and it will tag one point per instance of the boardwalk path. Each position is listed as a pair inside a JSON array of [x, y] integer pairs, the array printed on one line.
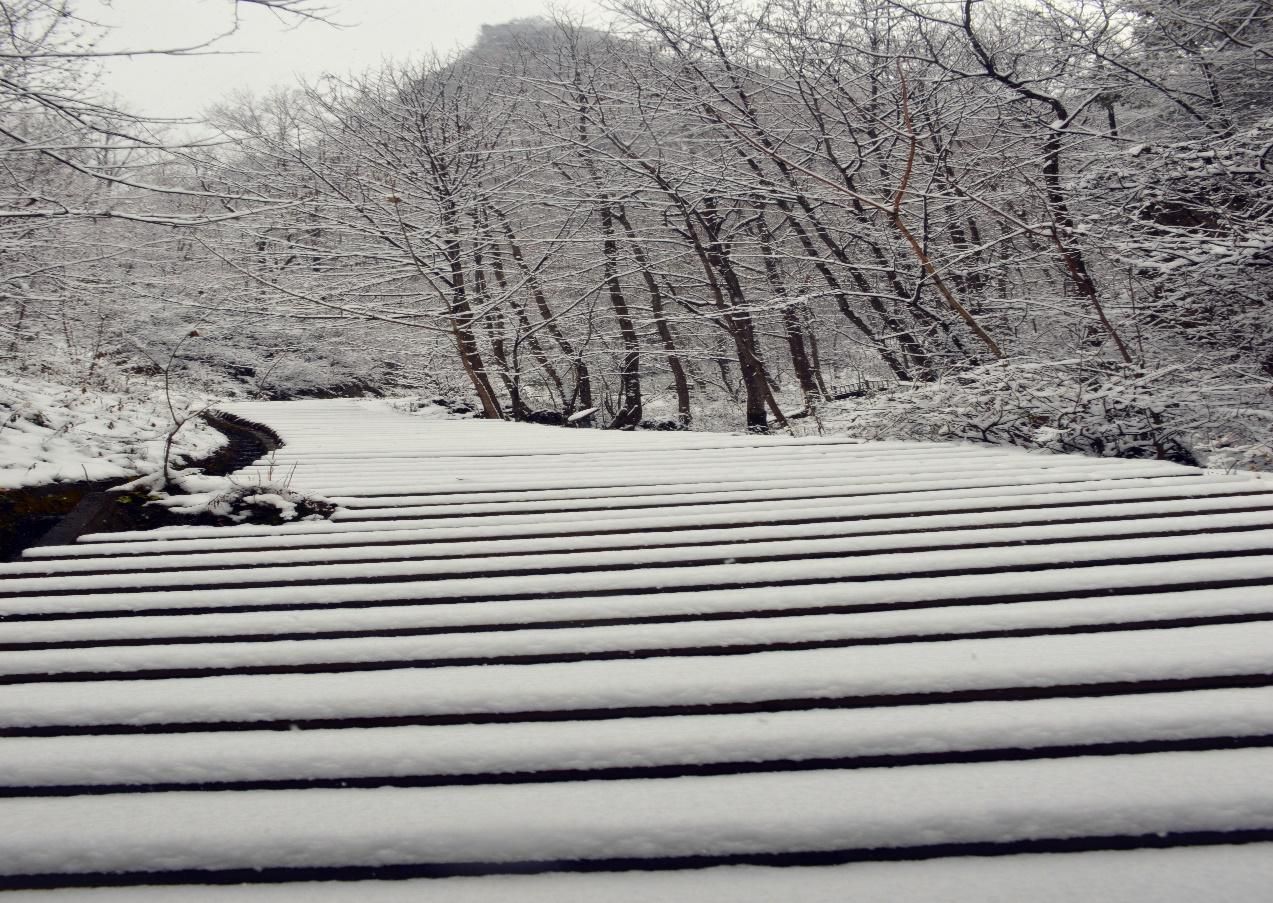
[[580, 665]]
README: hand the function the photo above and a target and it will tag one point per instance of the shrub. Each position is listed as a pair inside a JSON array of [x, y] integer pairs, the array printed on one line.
[[1090, 407]]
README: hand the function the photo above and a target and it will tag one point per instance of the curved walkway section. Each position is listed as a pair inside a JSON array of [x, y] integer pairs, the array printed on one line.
[[543, 664]]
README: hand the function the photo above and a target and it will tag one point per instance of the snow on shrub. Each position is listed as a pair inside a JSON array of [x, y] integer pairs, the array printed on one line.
[[1088, 407], [262, 505], [436, 408], [220, 501]]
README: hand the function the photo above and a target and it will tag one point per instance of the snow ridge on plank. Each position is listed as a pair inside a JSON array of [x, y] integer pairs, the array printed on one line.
[[532, 651]]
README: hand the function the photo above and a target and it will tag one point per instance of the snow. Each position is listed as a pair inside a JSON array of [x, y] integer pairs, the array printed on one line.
[[928, 667], [501, 619], [53, 433], [740, 630], [362, 585], [834, 488], [1055, 523], [913, 592], [1252, 531], [718, 815], [1182, 875], [871, 510], [685, 739]]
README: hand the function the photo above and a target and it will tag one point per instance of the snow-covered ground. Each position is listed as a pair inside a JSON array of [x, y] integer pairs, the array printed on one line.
[[530, 649], [1140, 876], [52, 433]]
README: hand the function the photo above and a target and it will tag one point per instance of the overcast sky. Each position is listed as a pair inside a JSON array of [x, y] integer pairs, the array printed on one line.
[[274, 52]]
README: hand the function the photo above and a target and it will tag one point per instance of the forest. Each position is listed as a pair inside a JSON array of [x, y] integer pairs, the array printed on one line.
[[1046, 223]]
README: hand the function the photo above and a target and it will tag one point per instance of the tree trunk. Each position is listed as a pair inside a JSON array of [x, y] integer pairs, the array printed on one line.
[[790, 317], [629, 413], [525, 332], [581, 398], [661, 326]]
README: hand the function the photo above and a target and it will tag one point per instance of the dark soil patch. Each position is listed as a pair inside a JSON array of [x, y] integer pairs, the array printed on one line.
[[246, 441], [27, 514]]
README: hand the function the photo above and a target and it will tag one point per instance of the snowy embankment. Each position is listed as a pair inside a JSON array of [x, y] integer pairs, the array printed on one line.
[[1217, 417], [575, 665], [51, 433]]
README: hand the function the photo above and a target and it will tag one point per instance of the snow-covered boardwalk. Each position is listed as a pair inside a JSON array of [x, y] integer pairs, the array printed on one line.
[[525, 663]]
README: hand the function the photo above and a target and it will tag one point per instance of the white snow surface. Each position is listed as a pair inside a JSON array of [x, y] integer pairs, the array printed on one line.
[[1136, 876], [616, 742], [52, 433], [543, 645], [716, 815]]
